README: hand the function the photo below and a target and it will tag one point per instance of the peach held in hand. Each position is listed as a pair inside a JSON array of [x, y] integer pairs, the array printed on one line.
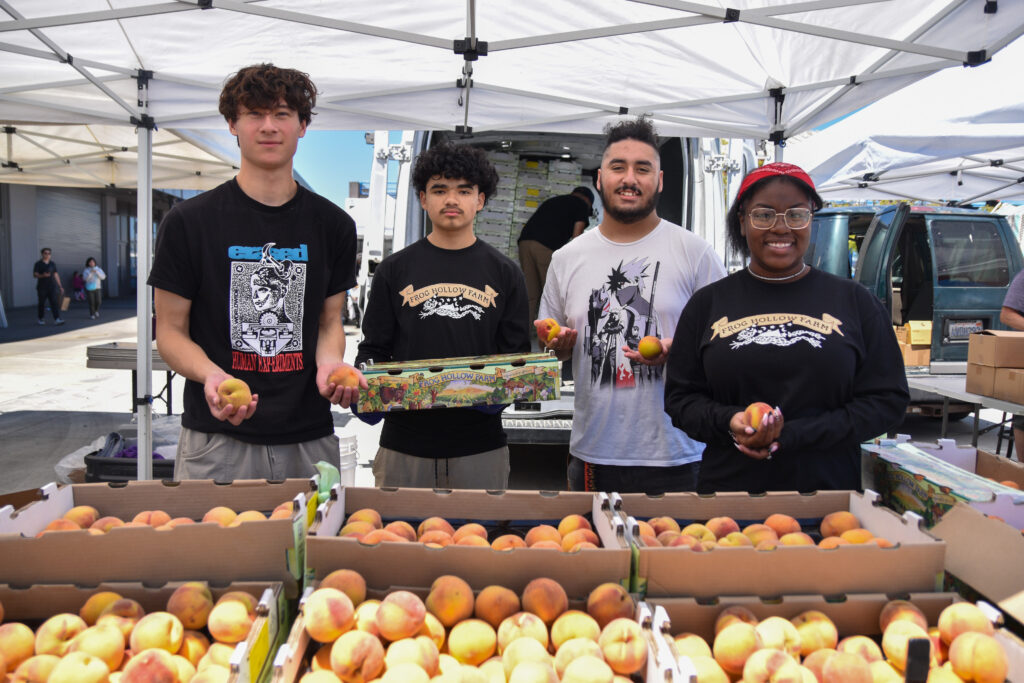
[[548, 330], [344, 376], [234, 392], [755, 412], [649, 347]]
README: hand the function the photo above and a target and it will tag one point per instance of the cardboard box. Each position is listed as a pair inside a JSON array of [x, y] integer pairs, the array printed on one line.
[[251, 659], [387, 565], [981, 379], [919, 332], [996, 348], [914, 564], [853, 614], [269, 550], [916, 355], [1009, 385], [901, 333], [929, 479], [459, 382]]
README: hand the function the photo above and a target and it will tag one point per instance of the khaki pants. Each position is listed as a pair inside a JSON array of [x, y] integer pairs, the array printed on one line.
[[488, 470], [534, 258], [223, 458]]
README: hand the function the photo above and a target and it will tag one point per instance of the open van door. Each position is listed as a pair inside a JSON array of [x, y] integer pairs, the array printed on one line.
[[874, 259]]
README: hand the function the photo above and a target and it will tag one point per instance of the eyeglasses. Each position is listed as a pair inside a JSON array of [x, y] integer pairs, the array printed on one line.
[[764, 219]]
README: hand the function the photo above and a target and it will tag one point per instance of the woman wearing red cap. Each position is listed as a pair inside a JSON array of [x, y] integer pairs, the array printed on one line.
[[818, 348]]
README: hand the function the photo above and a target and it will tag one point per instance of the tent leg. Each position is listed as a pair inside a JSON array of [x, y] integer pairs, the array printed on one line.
[[143, 294]]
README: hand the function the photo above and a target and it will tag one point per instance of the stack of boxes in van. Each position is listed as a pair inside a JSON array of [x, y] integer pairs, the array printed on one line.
[[995, 365], [915, 340], [494, 223]]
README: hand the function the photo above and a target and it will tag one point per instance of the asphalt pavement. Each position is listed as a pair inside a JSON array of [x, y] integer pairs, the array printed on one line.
[[53, 407]]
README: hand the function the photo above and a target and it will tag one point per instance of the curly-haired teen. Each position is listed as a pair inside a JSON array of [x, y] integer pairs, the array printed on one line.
[[250, 281], [447, 295], [626, 279]]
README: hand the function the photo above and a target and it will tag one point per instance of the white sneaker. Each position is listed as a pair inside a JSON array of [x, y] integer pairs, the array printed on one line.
[[58, 321], [42, 322]]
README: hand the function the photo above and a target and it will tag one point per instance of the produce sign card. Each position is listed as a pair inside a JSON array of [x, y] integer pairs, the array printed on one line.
[[460, 382]]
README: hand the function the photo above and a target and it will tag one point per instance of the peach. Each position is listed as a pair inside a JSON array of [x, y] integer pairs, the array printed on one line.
[[366, 617], [35, 669], [349, 582], [493, 670], [699, 531], [623, 646], [830, 542], [649, 347], [177, 521], [546, 598], [191, 602], [220, 514], [366, 515], [431, 523], [220, 674], [494, 604], [722, 526], [975, 656], [884, 672], [896, 638], [356, 529], [433, 629], [816, 631], [574, 537], [942, 674], [471, 529], [782, 524], [450, 599], [400, 615], [184, 668], [769, 664], [691, 645], [103, 641], [572, 523], [378, 535], [402, 528], [321, 659], [123, 624], [901, 609], [523, 650], [248, 516], [543, 532], [357, 656], [234, 392], [404, 673], [59, 524], [193, 646], [733, 614], [760, 532], [435, 538], [857, 535], [547, 330], [649, 541], [610, 601], [473, 539], [767, 544], [83, 515], [17, 643], [533, 672], [962, 617], [53, 637], [663, 523], [796, 538], [733, 645], [573, 624], [582, 545], [508, 542], [756, 412], [105, 524], [230, 621], [815, 662], [472, 641], [835, 523], [779, 634], [150, 665], [152, 517], [418, 650], [344, 376], [644, 528], [939, 649], [449, 666], [573, 648], [94, 605], [284, 509], [882, 542], [667, 536], [521, 625], [734, 539], [708, 670], [219, 654], [328, 613], [79, 667], [244, 597], [863, 646], [160, 630], [847, 667]]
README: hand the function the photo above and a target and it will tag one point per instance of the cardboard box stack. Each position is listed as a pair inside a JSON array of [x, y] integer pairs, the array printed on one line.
[[995, 365], [915, 340]]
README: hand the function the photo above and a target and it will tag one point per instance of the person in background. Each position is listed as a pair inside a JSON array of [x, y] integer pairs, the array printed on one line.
[[1012, 315], [48, 287], [626, 279], [77, 286], [249, 282], [555, 222], [818, 349], [446, 295], [93, 276]]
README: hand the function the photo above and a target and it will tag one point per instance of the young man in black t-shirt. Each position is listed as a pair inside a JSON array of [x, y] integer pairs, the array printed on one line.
[[447, 295], [250, 281]]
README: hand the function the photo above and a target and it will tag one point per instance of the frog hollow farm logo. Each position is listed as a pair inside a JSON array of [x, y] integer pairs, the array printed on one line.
[[777, 329], [450, 300]]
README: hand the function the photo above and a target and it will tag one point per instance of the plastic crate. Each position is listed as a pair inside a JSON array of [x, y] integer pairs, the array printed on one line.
[[99, 468]]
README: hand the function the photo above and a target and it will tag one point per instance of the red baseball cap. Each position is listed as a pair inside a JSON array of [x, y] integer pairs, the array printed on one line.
[[778, 168]]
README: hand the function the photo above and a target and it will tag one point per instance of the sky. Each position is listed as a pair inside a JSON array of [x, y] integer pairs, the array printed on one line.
[[330, 159]]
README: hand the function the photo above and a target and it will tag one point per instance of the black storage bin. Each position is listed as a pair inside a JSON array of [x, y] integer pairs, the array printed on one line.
[[99, 468]]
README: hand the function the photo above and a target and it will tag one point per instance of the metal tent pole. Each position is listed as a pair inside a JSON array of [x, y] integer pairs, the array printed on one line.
[[143, 294]]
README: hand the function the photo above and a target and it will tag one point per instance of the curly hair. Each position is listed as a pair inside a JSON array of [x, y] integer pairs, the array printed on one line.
[[263, 86], [456, 161], [640, 129], [734, 230]]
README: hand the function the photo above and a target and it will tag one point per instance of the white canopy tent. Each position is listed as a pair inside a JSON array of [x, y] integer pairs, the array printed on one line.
[[956, 136], [752, 69]]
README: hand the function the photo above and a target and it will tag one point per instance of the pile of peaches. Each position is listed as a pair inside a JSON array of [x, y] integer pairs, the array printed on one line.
[[455, 636], [113, 639], [837, 528], [87, 517], [574, 532], [807, 647]]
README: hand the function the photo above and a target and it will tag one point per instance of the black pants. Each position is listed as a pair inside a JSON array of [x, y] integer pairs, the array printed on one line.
[[585, 476], [51, 294], [94, 296]]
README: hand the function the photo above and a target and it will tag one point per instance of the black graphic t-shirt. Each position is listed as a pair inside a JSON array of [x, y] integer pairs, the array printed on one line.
[[257, 277], [821, 348], [428, 302]]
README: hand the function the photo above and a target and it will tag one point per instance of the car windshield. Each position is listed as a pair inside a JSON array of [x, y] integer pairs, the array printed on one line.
[[969, 253]]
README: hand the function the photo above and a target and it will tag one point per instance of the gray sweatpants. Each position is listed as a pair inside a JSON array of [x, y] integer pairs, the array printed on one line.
[[487, 470], [223, 458]]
